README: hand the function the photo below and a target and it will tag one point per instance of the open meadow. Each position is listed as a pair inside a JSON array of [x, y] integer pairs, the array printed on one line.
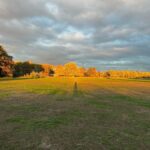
[[74, 114]]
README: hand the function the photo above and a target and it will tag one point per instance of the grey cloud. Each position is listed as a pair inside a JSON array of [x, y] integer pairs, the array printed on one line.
[[22, 9], [106, 34]]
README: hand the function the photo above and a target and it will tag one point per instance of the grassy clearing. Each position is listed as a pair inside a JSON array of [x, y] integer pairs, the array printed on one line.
[[68, 113], [46, 122]]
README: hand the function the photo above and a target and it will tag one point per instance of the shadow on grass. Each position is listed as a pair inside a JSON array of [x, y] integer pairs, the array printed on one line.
[[12, 79], [75, 89]]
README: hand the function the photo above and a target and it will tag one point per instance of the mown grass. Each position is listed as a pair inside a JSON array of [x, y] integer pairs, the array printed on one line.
[[3, 95], [45, 122], [69, 113]]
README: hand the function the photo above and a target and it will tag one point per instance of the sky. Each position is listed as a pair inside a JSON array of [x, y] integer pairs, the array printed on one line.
[[107, 34]]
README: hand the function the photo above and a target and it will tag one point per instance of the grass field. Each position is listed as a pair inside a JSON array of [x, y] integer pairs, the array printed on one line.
[[74, 114]]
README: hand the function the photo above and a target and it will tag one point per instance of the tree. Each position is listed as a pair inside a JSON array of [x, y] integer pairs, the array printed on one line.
[[51, 72], [91, 72], [48, 69], [59, 70], [24, 68], [6, 63], [107, 74], [71, 69], [81, 72]]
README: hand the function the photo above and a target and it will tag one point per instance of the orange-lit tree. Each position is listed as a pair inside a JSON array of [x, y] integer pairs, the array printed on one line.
[[48, 69], [81, 72], [91, 72], [71, 69], [59, 70]]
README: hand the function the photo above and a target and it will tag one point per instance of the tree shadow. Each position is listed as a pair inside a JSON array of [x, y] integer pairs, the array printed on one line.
[[12, 79], [75, 89]]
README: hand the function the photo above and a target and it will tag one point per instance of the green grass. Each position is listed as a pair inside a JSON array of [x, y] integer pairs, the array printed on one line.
[[45, 122], [131, 100], [3, 95], [90, 114]]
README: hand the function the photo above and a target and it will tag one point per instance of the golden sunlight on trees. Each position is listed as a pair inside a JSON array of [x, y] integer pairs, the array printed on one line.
[[70, 69], [91, 72], [125, 74], [6, 63], [48, 69], [59, 70], [81, 71]]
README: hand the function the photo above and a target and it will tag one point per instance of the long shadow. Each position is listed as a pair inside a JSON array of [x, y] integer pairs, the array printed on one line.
[[13, 79], [75, 89]]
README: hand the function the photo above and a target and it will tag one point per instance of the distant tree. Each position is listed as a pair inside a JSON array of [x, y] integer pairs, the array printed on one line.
[[107, 74], [125, 74], [81, 72], [71, 69], [99, 74], [59, 70], [23, 68], [6, 63], [91, 72], [51, 72], [48, 69]]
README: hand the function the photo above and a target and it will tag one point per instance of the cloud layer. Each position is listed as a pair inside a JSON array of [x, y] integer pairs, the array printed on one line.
[[108, 34]]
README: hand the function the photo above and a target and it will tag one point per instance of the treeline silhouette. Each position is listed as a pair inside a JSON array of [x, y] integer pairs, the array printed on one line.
[[9, 68]]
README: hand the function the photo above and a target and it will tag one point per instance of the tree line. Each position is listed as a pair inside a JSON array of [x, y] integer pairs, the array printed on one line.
[[9, 68]]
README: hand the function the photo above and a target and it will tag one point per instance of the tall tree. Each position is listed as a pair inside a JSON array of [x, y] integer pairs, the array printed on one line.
[[71, 69], [6, 63]]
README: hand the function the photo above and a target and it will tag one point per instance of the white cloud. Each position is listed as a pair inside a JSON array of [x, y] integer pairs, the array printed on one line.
[[75, 36]]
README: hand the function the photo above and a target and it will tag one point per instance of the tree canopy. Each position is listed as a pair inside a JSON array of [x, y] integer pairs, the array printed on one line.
[[6, 63], [23, 68], [70, 69]]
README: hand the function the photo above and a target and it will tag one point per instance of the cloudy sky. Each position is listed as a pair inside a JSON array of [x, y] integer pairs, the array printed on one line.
[[107, 34]]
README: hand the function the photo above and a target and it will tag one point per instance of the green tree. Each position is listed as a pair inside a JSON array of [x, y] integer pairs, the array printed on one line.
[[23, 68]]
